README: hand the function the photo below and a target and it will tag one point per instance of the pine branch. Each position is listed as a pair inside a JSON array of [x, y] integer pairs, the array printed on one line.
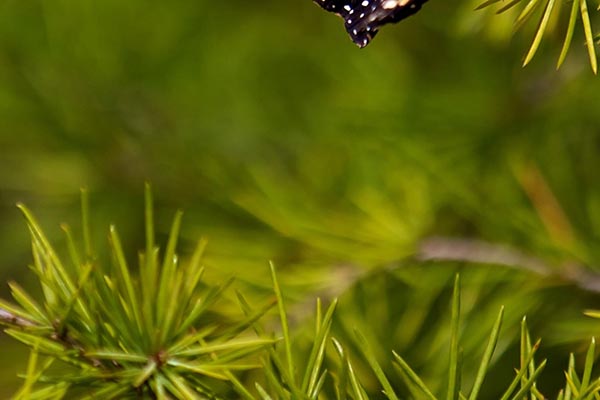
[[481, 252]]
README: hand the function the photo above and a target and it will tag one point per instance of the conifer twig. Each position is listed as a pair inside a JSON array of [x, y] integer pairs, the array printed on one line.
[[482, 252]]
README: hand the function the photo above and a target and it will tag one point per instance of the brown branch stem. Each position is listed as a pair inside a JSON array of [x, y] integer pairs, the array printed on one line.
[[481, 252]]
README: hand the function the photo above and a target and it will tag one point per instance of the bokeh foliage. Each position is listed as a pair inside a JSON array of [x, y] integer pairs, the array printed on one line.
[[156, 333], [283, 141]]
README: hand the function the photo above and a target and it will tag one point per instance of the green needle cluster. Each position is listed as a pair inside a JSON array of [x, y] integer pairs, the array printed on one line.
[[103, 330]]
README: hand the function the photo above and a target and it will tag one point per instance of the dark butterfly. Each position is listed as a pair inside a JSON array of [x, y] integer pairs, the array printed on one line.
[[363, 18]]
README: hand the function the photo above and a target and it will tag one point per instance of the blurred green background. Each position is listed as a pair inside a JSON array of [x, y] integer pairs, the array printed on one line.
[[283, 141]]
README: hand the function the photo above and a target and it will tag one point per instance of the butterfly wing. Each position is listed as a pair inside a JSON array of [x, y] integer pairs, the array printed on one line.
[[363, 18]]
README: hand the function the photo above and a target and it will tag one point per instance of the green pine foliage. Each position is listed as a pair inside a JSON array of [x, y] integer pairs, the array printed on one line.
[[122, 335], [106, 330], [532, 12]]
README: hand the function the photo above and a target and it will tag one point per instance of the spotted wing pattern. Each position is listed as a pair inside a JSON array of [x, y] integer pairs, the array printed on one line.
[[363, 18]]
